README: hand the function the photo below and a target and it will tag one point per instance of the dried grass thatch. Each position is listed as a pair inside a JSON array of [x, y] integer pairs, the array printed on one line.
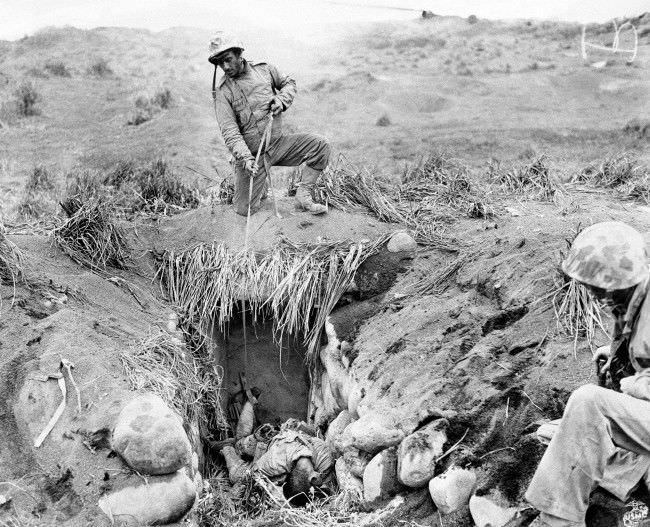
[[345, 186], [256, 503], [577, 313], [11, 262], [622, 172], [90, 237], [11, 259], [186, 380], [533, 179], [296, 285], [437, 283], [438, 181]]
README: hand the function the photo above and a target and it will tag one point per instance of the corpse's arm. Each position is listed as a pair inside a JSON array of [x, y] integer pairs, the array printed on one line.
[[285, 86], [230, 130]]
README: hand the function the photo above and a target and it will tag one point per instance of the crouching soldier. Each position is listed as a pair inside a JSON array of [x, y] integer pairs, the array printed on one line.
[[604, 436], [245, 96]]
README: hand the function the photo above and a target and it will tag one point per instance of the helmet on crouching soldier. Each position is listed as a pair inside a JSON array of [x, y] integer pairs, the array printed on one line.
[[610, 255], [220, 43]]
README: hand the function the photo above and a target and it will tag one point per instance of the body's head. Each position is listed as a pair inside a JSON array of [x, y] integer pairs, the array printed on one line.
[[226, 52], [610, 259], [300, 481]]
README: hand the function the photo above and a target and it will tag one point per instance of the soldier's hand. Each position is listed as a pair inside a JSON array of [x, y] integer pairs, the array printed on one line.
[[603, 359], [250, 165], [275, 106]]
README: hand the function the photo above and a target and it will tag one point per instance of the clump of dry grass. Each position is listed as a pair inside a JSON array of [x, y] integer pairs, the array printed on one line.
[[432, 234], [188, 381], [622, 172], [39, 194], [295, 285], [439, 187], [12, 263], [345, 186], [533, 179], [437, 283], [152, 188], [256, 503], [613, 171], [577, 313], [90, 237]]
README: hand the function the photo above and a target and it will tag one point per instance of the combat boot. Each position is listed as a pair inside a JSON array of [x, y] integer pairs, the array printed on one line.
[[304, 201]]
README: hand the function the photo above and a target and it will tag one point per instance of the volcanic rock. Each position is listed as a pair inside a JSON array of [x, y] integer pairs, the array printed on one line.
[[150, 437]]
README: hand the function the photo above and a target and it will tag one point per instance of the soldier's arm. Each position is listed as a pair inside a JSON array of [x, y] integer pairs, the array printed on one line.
[[285, 86], [230, 130]]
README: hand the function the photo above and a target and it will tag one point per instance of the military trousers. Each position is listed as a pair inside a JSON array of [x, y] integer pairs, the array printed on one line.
[[603, 440], [288, 150]]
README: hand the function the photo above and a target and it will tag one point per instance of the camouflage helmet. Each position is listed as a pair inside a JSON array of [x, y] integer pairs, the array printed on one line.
[[220, 43], [610, 255]]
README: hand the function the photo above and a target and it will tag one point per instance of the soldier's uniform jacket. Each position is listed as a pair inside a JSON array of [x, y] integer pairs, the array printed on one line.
[[631, 342], [243, 106]]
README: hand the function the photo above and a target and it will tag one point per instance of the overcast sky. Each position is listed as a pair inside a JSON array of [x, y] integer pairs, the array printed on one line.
[[298, 17]]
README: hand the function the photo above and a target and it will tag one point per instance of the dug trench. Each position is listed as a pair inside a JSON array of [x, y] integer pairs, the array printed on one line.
[[465, 367]]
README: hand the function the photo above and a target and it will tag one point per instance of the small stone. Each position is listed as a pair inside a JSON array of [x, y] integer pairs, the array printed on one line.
[[380, 477], [162, 500], [400, 241], [418, 453], [451, 491], [370, 434], [347, 481], [336, 428], [486, 513], [150, 437]]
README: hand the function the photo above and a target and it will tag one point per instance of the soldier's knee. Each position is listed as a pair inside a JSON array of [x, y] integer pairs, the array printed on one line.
[[322, 154], [586, 396]]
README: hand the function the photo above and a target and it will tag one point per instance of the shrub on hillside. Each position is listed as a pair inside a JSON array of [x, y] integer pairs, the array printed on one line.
[[39, 194], [58, 69], [100, 68], [144, 111], [160, 190], [384, 120], [147, 107], [622, 172], [40, 179], [26, 98], [163, 98]]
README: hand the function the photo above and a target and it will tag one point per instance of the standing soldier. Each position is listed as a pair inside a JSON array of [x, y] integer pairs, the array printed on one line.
[[244, 98], [604, 436]]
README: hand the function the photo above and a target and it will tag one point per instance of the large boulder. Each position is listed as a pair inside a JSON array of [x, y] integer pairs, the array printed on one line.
[[161, 500], [418, 453], [371, 434], [451, 491], [336, 428], [380, 477], [150, 437]]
